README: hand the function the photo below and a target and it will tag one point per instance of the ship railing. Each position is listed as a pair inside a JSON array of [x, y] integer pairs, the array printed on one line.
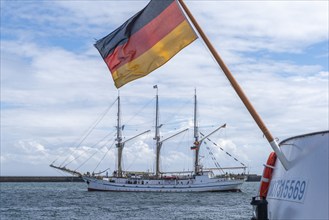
[[224, 168]]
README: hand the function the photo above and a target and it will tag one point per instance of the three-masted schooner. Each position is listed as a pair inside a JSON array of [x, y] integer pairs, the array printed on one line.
[[199, 180]]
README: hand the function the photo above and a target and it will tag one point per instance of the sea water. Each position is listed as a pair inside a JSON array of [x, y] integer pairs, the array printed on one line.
[[73, 201]]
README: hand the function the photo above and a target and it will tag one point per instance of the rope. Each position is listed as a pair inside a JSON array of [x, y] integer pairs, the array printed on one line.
[[147, 140], [138, 112], [171, 117], [85, 161], [103, 157], [102, 171], [179, 143], [83, 152], [225, 151], [213, 156], [91, 156], [89, 130]]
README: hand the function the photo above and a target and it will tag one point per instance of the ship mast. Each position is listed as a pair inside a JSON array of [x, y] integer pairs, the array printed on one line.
[[119, 144], [196, 136], [157, 135], [197, 143]]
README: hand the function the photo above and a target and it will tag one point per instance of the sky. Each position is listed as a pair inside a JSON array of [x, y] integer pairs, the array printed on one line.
[[55, 86]]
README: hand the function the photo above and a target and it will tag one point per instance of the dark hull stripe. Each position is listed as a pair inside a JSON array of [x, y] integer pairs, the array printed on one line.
[[173, 190]]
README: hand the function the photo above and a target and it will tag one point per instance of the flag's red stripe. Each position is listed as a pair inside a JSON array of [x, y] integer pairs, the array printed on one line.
[[146, 37]]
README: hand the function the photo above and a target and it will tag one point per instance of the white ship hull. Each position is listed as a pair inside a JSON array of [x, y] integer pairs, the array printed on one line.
[[302, 191], [197, 184]]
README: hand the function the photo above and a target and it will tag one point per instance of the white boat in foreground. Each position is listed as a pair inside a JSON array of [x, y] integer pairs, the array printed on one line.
[[301, 192]]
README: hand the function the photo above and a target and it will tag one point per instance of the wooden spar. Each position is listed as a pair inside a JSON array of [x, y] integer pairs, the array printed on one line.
[[73, 172], [159, 146], [238, 90]]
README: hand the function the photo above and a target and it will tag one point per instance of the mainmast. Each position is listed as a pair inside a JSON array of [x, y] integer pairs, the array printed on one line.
[[119, 144], [157, 135]]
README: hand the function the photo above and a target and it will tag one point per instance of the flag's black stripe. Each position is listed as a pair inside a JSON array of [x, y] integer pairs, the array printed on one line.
[[120, 36]]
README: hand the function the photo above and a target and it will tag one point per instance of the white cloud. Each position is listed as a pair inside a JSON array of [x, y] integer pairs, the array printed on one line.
[[54, 84], [274, 25]]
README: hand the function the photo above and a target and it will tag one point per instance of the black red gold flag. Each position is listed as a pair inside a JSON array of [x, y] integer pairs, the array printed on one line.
[[146, 41]]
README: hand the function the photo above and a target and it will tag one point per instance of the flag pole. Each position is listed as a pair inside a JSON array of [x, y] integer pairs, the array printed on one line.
[[238, 90]]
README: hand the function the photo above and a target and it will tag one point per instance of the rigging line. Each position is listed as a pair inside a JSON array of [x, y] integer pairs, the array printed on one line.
[[79, 155], [148, 139], [140, 110], [90, 129], [168, 119], [86, 161], [110, 134], [54, 161], [179, 143], [93, 155], [131, 126], [83, 152], [102, 171], [60, 172], [75, 158], [225, 151], [214, 158], [103, 156]]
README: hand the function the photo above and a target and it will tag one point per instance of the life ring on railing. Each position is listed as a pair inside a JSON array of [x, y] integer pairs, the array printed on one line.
[[267, 175]]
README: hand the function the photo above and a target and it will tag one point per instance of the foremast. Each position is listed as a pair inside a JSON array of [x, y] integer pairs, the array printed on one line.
[[119, 143]]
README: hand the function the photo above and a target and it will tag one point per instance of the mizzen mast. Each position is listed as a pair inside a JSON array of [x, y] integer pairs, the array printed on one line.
[[196, 146]]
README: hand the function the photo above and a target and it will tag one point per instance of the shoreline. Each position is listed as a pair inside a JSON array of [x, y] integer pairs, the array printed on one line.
[[250, 178]]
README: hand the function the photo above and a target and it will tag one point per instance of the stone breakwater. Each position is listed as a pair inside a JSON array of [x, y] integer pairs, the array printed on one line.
[[40, 179]]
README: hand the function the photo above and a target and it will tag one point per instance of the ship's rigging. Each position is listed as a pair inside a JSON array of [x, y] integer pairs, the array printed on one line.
[[119, 142]]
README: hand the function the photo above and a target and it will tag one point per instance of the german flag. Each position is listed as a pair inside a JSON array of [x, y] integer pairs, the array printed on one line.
[[146, 41]]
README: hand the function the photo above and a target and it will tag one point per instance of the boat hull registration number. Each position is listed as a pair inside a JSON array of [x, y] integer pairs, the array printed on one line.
[[288, 189]]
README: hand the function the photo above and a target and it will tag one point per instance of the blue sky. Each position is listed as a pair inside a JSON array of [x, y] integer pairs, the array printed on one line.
[[54, 84]]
